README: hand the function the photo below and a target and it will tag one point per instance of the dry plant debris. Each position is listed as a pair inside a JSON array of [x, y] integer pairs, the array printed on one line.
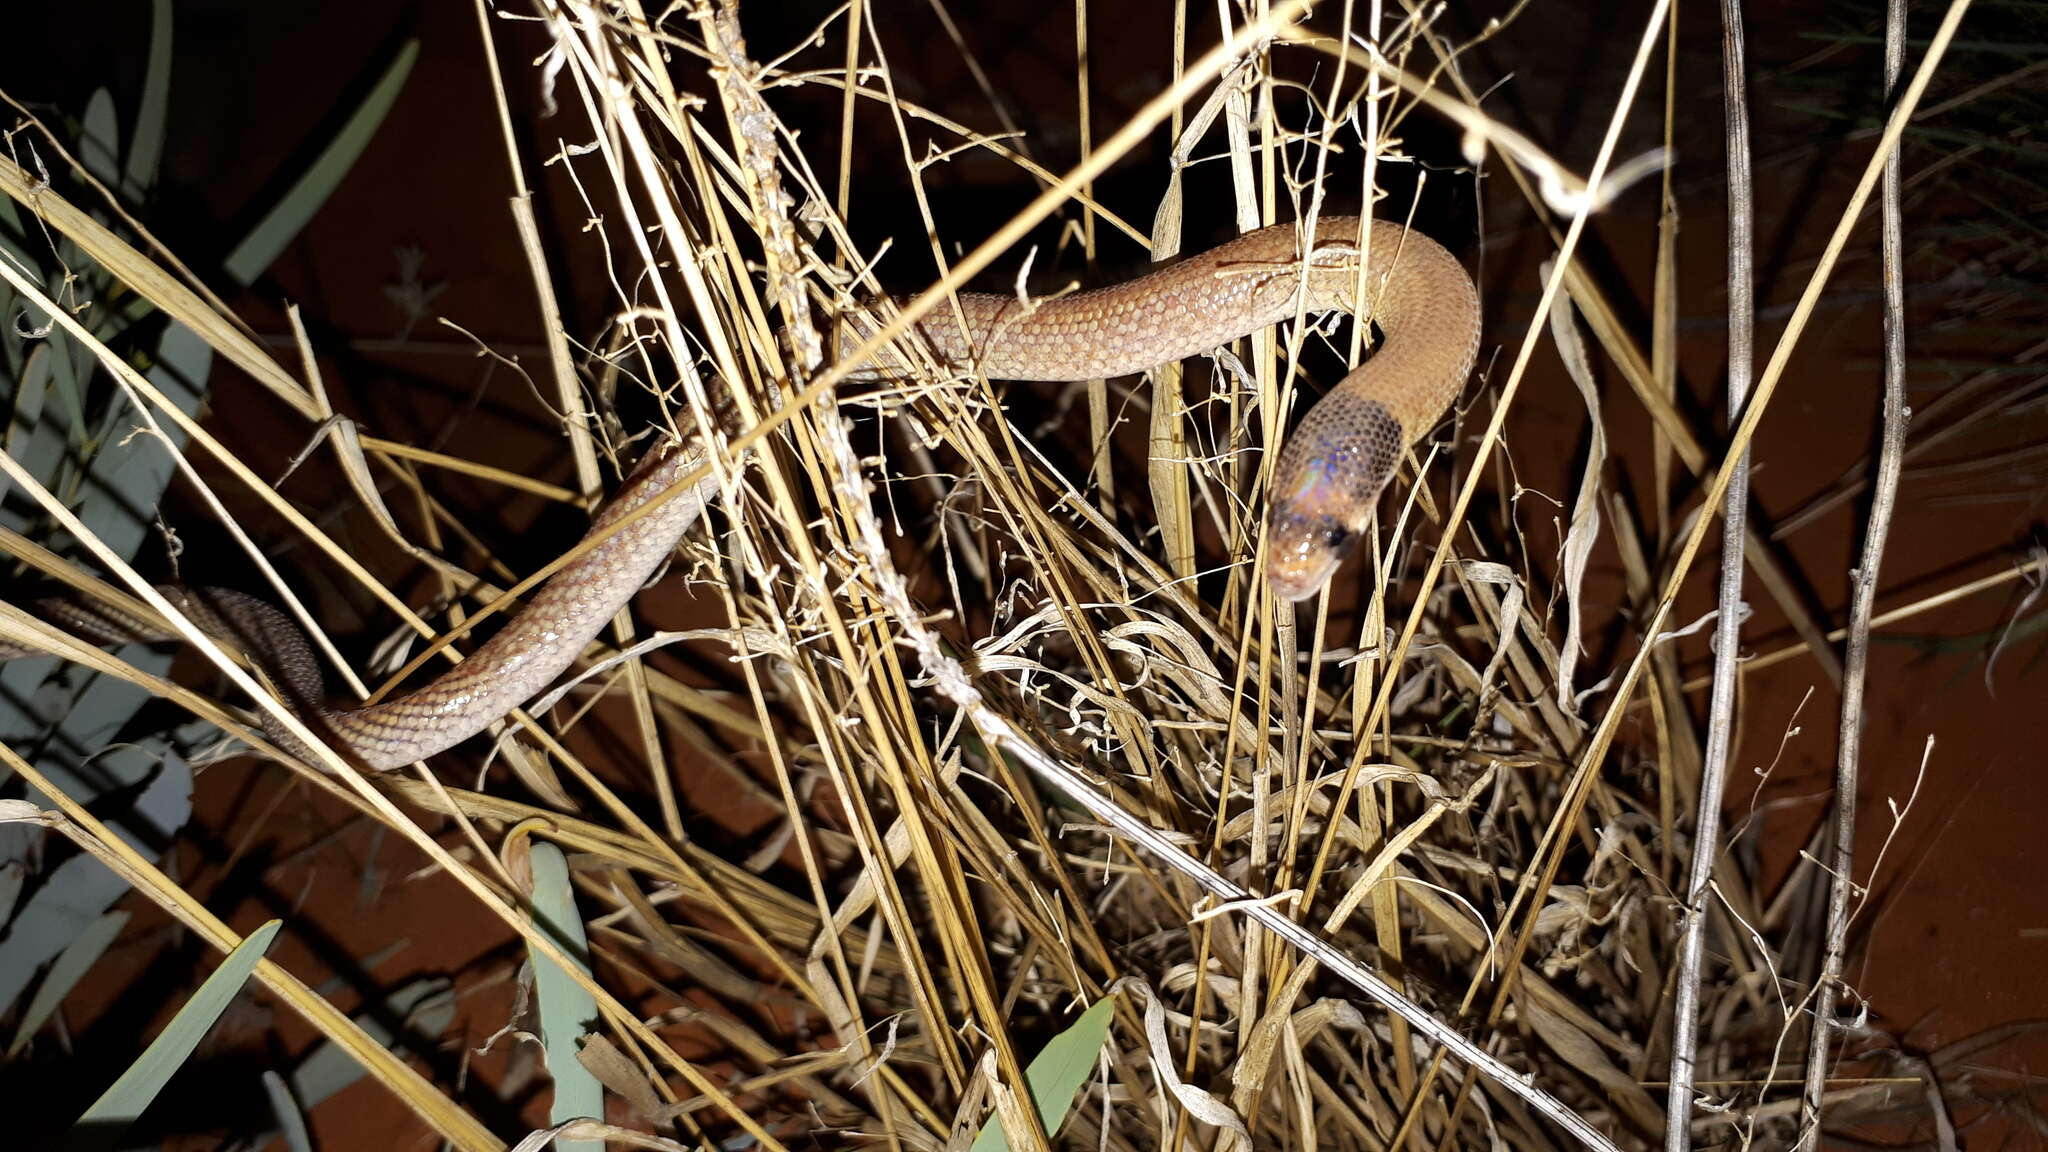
[[925, 604]]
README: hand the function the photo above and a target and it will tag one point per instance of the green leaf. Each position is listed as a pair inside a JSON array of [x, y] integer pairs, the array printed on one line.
[[118, 1107], [13, 874], [275, 230], [99, 143], [1056, 1074], [146, 147], [70, 967], [291, 1119], [566, 1009]]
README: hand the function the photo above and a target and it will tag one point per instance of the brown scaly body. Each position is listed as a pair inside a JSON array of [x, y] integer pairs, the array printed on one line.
[[1331, 469], [1325, 483]]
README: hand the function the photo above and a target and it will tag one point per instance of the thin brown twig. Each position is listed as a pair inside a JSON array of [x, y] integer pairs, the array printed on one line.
[[1863, 596], [1706, 844]]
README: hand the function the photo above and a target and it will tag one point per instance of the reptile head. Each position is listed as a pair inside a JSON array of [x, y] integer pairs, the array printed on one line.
[[1303, 550]]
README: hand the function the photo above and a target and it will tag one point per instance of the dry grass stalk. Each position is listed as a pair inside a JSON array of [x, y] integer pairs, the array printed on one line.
[[903, 656]]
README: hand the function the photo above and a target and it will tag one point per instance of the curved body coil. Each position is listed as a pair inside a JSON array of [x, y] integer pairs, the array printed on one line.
[[1326, 480]]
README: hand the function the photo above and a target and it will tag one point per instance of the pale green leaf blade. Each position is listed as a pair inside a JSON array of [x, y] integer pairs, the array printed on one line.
[[291, 1119], [566, 1009], [1057, 1073], [124, 1101], [275, 230], [13, 874], [146, 149], [69, 968], [99, 141]]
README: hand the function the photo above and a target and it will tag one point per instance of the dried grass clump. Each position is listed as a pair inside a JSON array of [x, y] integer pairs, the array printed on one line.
[[933, 627]]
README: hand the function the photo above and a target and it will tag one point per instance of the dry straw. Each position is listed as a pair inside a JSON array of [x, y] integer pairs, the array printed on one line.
[[928, 620]]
